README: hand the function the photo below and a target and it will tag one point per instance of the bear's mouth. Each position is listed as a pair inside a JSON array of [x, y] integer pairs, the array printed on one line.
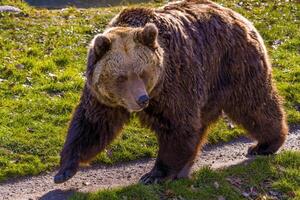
[[135, 108]]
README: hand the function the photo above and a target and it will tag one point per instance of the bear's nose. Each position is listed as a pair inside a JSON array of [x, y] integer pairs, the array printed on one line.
[[143, 101]]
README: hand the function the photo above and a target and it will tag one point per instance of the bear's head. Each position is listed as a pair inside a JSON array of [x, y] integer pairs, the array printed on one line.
[[125, 64]]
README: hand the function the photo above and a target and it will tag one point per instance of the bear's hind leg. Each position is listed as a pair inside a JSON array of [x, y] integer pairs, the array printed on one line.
[[270, 130], [265, 123]]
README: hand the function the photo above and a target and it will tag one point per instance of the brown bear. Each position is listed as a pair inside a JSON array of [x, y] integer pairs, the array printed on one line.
[[178, 67]]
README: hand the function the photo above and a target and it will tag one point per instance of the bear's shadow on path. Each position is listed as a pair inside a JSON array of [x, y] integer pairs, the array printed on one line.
[[58, 194]]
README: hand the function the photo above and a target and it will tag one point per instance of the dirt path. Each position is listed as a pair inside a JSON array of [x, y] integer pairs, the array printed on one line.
[[96, 177]]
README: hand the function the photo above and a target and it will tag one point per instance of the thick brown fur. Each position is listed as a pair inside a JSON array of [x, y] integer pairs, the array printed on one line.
[[213, 60]]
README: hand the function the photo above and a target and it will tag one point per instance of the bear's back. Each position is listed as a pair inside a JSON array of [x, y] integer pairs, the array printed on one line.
[[202, 42], [200, 21]]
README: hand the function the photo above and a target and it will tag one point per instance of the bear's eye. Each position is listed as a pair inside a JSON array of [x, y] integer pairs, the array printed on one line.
[[121, 78]]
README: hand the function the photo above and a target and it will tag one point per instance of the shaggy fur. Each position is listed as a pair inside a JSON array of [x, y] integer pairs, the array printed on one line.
[[213, 60]]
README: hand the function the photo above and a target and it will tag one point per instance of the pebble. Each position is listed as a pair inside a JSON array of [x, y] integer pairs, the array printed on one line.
[[216, 184], [86, 183]]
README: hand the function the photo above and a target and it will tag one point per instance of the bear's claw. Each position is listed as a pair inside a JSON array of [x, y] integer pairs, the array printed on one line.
[[61, 177], [149, 178]]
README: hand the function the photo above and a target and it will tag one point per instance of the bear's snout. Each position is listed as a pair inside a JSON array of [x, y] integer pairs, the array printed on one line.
[[143, 101]]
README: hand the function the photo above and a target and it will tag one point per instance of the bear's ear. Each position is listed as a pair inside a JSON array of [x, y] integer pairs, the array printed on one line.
[[101, 45], [98, 47], [148, 36]]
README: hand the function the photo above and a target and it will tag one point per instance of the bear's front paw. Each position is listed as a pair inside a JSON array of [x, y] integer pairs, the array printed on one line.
[[154, 177], [150, 178], [64, 175]]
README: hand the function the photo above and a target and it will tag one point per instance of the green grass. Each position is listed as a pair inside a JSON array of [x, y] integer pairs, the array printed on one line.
[[42, 61], [262, 179]]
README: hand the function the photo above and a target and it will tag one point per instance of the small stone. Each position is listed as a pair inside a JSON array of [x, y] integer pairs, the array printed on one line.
[[52, 75], [216, 185], [86, 183], [230, 125], [25, 85], [28, 81]]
